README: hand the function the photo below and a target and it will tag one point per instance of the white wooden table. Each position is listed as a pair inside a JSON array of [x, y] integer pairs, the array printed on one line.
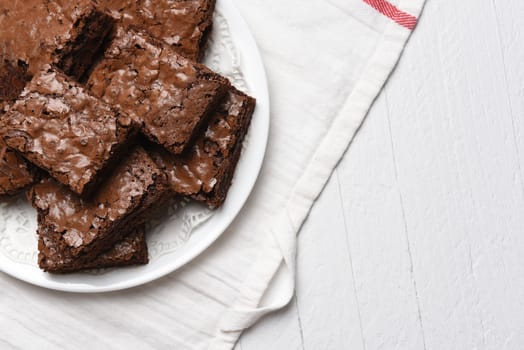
[[418, 239]]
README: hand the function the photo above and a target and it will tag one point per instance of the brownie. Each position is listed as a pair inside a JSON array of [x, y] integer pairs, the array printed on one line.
[[184, 24], [13, 77], [58, 126], [168, 94], [63, 32], [15, 173], [132, 250], [90, 29], [73, 231], [205, 172]]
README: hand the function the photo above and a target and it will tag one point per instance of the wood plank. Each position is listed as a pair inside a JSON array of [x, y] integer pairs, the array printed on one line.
[[510, 33], [377, 239], [326, 297], [457, 169]]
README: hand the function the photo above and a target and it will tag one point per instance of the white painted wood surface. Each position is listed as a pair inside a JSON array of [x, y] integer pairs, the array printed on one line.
[[418, 240]]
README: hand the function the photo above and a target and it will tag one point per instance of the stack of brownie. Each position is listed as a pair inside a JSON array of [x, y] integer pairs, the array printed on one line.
[[105, 114]]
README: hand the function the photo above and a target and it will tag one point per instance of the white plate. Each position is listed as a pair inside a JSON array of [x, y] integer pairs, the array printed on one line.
[[189, 229]]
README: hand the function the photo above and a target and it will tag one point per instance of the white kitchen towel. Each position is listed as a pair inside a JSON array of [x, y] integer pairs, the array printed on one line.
[[326, 61]]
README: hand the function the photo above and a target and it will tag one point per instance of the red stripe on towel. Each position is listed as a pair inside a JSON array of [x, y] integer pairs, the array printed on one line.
[[391, 11]]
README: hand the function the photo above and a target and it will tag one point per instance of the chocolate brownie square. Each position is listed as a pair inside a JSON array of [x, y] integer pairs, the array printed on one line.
[[132, 250], [74, 231], [15, 173], [205, 172], [63, 32], [170, 95], [59, 127], [184, 24]]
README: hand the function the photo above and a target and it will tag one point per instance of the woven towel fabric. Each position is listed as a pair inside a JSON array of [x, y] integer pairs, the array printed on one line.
[[326, 62]]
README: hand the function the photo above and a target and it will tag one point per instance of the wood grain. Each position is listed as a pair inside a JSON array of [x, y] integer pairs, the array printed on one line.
[[432, 200], [325, 275], [378, 236]]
